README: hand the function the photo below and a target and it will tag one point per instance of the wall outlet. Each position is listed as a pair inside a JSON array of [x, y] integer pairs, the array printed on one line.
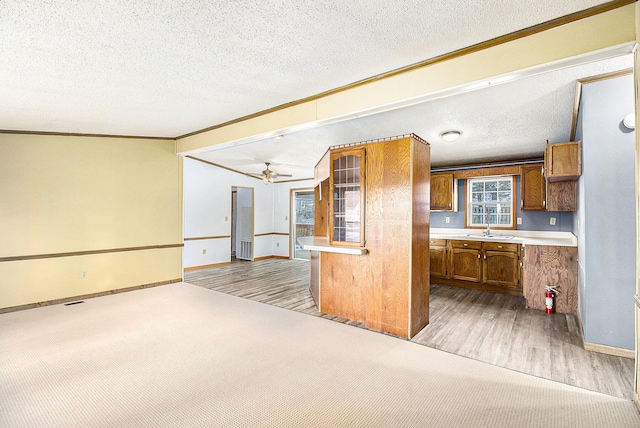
[[226, 218], [277, 244], [204, 251], [83, 274], [552, 221], [286, 218], [518, 220], [447, 220]]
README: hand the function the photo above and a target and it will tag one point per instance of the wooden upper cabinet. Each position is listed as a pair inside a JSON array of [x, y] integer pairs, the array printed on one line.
[[444, 192], [532, 188], [562, 161], [346, 187], [562, 196]]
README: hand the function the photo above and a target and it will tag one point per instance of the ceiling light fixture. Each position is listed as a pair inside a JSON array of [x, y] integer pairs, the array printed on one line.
[[450, 136]]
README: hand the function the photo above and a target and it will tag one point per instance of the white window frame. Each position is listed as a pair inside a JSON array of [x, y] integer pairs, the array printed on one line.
[[505, 209]]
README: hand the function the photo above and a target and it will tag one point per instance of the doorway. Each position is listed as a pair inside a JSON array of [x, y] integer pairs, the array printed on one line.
[[302, 220], [242, 223]]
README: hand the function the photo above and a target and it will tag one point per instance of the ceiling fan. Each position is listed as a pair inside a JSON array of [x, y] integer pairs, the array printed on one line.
[[268, 175]]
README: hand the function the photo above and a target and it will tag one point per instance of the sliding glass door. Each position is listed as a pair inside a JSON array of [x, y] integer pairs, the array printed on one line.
[[302, 207]]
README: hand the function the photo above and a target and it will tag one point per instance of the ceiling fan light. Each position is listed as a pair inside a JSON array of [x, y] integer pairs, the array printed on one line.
[[271, 179], [450, 136], [265, 180]]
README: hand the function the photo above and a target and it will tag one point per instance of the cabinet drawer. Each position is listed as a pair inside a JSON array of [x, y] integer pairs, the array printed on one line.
[[500, 246], [437, 242], [475, 245]]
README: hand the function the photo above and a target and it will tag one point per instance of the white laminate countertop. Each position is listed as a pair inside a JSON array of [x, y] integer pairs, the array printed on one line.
[[321, 243], [524, 237]]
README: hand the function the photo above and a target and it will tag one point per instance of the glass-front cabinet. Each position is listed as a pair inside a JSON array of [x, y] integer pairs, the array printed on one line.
[[347, 184]]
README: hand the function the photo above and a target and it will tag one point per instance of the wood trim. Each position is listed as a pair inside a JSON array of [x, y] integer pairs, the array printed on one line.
[[636, 299], [77, 134], [272, 233], [199, 238], [87, 253], [86, 296], [244, 173], [487, 172], [187, 269], [563, 20], [270, 257], [513, 204], [610, 350], [578, 95], [487, 164]]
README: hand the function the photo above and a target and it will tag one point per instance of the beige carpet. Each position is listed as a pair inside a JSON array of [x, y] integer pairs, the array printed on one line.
[[181, 355]]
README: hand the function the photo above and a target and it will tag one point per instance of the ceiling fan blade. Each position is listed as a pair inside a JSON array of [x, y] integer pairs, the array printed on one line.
[[275, 174]]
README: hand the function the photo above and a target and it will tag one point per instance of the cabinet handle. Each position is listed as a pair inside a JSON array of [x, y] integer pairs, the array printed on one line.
[[521, 203], [544, 203], [466, 245], [478, 255], [485, 257], [499, 246]]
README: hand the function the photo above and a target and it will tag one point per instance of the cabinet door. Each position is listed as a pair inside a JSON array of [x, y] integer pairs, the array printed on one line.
[[501, 268], [562, 196], [444, 195], [466, 264], [347, 184], [562, 161], [532, 188], [438, 262]]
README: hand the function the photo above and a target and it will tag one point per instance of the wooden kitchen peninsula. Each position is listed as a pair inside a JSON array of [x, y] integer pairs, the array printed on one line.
[[370, 255]]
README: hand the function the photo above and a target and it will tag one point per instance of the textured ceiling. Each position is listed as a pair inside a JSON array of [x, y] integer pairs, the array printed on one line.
[[159, 68], [509, 120]]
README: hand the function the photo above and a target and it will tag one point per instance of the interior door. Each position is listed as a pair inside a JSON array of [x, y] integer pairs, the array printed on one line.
[[244, 223]]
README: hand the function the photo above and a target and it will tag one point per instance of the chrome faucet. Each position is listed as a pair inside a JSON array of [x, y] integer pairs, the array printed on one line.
[[488, 231]]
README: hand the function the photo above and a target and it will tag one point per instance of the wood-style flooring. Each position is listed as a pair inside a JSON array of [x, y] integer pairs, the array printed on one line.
[[489, 327]]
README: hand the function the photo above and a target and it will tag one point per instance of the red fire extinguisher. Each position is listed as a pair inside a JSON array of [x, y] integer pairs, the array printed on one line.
[[549, 297]]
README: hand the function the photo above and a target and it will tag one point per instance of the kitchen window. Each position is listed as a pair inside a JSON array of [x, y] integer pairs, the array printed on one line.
[[491, 200]]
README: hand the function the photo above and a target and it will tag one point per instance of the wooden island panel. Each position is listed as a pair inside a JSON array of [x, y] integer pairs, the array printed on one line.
[[388, 288], [420, 260], [551, 265]]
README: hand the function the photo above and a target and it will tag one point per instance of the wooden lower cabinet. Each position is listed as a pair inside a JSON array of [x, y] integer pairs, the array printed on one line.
[[501, 264], [490, 266], [438, 261], [466, 262]]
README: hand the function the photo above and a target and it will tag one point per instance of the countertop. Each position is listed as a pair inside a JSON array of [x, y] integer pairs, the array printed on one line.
[[524, 237], [321, 243]]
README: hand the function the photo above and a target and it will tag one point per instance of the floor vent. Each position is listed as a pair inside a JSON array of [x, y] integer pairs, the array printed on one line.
[[74, 303]]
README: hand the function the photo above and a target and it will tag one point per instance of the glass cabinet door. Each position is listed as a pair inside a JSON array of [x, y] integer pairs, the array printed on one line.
[[347, 188]]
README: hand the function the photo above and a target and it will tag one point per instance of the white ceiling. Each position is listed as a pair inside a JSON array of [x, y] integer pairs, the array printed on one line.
[[150, 68]]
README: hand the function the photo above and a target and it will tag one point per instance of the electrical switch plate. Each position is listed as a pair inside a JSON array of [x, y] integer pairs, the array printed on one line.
[[519, 220], [83, 274], [447, 220], [226, 218], [552, 221], [277, 244], [204, 251], [286, 218]]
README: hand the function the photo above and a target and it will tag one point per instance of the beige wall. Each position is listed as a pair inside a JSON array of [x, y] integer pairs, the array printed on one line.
[[63, 194]]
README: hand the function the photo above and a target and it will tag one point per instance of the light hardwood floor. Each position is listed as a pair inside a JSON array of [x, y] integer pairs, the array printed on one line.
[[489, 327]]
